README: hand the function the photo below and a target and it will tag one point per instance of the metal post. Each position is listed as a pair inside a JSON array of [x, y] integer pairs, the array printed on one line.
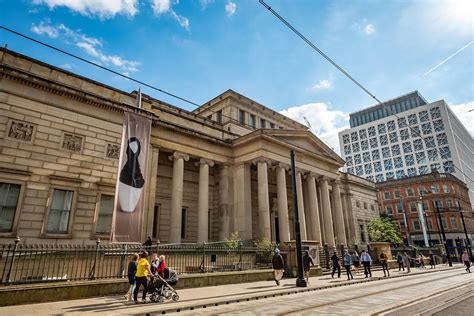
[[427, 226], [300, 281], [468, 241], [203, 267], [240, 254], [17, 240], [407, 225], [92, 274], [448, 255]]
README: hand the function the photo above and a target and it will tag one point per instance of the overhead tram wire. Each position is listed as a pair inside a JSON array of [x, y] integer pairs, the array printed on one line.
[[345, 73], [116, 73]]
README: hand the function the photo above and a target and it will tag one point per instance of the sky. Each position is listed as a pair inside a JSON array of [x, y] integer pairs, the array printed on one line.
[[197, 49]]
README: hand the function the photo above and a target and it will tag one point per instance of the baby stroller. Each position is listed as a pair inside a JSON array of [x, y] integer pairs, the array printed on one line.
[[162, 288]]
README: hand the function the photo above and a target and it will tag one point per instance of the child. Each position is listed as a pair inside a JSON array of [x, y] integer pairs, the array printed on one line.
[[132, 269]]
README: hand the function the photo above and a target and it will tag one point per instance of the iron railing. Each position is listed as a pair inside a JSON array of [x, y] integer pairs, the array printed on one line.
[[20, 263]]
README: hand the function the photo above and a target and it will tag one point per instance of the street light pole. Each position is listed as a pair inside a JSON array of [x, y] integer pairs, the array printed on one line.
[[407, 225], [300, 281], [444, 235], [468, 241]]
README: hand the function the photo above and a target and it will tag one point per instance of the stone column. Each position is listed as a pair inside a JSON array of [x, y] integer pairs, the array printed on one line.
[[264, 230], [151, 193], [242, 201], [203, 199], [299, 192], [283, 222], [315, 225], [224, 220], [326, 204], [177, 195], [338, 214]]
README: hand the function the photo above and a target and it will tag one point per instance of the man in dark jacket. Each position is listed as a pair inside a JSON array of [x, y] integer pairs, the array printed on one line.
[[278, 266], [335, 265], [307, 262]]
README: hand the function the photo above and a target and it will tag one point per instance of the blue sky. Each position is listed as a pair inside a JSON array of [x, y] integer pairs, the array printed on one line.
[[199, 48]]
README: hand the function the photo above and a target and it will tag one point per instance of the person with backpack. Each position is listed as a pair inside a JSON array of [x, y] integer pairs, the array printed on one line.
[[384, 263], [335, 265], [401, 266], [278, 266], [347, 259]]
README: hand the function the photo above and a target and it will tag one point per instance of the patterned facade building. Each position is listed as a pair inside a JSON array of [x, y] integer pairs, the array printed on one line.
[[219, 169]]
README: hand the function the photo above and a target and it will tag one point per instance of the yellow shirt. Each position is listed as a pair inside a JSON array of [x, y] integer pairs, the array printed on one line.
[[142, 268]]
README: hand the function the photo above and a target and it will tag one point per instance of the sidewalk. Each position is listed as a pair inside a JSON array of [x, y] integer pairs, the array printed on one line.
[[200, 297]]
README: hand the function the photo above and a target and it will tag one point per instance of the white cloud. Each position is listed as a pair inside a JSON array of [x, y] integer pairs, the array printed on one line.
[[463, 114], [44, 28], [325, 122], [205, 3], [160, 6], [322, 85], [369, 29], [165, 7], [90, 45], [104, 9], [230, 8]]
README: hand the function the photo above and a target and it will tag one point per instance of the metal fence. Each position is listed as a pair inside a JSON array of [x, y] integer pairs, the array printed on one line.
[[21, 263]]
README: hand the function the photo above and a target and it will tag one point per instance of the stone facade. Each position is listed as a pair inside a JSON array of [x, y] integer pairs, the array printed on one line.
[[220, 169]]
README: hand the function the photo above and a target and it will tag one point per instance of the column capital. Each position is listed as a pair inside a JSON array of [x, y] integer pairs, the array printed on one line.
[[204, 161], [261, 159], [281, 165], [311, 175], [323, 179], [298, 171], [179, 155], [336, 182]]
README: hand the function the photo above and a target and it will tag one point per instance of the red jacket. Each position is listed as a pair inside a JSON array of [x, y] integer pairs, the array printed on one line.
[[161, 268]]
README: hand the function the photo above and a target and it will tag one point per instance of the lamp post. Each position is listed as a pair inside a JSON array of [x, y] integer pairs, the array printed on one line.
[[405, 217], [300, 281], [468, 241], [444, 235]]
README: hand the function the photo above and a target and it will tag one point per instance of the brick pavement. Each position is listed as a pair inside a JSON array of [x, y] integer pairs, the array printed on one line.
[[194, 297]]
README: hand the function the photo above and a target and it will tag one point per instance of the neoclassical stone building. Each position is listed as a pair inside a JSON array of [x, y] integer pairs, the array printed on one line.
[[220, 169]]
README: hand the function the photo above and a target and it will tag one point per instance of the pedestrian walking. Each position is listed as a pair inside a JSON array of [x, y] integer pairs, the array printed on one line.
[[278, 266], [384, 263], [406, 261], [335, 265], [466, 260], [141, 277], [347, 264], [421, 262], [401, 266], [131, 270], [356, 262], [366, 262], [432, 261], [307, 262]]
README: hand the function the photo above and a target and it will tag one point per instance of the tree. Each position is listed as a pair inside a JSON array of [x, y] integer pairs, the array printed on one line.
[[384, 229]]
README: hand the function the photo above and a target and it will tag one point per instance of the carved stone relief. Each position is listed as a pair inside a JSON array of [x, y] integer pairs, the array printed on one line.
[[112, 151], [72, 142], [21, 130]]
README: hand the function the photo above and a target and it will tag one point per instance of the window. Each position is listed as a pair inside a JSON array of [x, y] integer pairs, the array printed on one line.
[[445, 188], [426, 128], [263, 123], [409, 160], [386, 152], [345, 139], [454, 222], [410, 192], [411, 172], [397, 193], [387, 195], [359, 170], [252, 120], [398, 162], [59, 214], [402, 122], [347, 149], [423, 170], [396, 150], [412, 120], [219, 116], [357, 159], [383, 140], [399, 208], [364, 145], [387, 164], [354, 137], [355, 147], [449, 203], [381, 128], [368, 168], [418, 144], [362, 235], [445, 153], [404, 134], [378, 167], [389, 175], [423, 116], [375, 154], [362, 134], [435, 113], [402, 223], [416, 224], [442, 139], [429, 223], [366, 156], [242, 116], [106, 211], [430, 142], [432, 155], [389, 209], [379, 177], [434, 189], [272, 125], [407, 147], [349, 161], [448, 167], [400, 174], [391, 126], [365, 205], [438, 126], [421, 190], [9, 194], [184, 222], [372, 207], [425, 206], [420, 157], [357, 204], [435, 167], [415, 131], [371, 131], [413, 207], [443, 220]]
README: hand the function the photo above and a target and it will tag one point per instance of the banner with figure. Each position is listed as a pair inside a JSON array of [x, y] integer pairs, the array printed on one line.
[[131, 179]]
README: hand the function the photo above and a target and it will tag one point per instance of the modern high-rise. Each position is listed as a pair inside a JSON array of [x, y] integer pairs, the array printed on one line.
[[405, 137]]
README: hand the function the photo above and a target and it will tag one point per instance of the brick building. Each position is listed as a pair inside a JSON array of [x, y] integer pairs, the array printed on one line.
[[403, 196]]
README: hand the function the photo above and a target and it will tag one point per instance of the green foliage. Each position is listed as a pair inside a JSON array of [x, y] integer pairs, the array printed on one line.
[[233, 241], [265, 248], [383, 229]]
